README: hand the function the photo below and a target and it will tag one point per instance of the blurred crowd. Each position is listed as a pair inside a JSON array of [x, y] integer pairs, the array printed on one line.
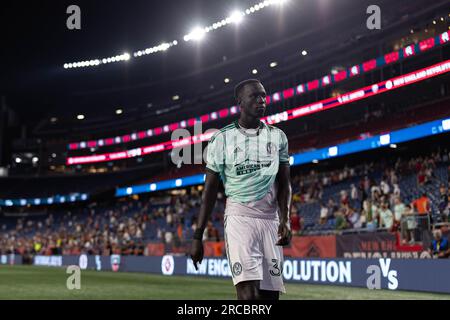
[[127, 226], [368, 204]]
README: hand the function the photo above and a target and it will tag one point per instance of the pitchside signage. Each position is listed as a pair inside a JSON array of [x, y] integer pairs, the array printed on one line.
[[10, 259], [385, 273]]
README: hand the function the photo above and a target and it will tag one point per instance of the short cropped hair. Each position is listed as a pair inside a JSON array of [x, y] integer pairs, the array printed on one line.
[[238, 88]]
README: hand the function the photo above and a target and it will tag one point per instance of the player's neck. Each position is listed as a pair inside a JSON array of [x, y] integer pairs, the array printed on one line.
[[249, 123]]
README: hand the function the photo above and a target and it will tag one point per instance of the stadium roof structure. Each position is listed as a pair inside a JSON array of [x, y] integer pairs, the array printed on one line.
[[39, 44]]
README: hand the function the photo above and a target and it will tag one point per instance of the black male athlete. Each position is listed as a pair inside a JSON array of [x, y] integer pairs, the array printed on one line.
[[252, 160]]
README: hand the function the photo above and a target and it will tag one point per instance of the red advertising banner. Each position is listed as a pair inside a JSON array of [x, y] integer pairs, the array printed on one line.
[[376, 245], [312, 246]]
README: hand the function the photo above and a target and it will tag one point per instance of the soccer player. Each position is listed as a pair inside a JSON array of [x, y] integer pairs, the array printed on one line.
[[252, 160]]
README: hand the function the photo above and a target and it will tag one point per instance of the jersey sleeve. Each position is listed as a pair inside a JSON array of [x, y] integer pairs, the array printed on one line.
[[215, 153], [283, 151]]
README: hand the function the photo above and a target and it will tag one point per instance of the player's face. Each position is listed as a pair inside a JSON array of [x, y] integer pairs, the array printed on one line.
[[253, 100]]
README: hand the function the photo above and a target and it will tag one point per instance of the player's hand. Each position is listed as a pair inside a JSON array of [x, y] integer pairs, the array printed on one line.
[[196, 252], [284, 234]]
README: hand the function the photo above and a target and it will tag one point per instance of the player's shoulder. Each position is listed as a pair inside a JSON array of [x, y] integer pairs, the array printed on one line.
[[272, 128], [222, 131]]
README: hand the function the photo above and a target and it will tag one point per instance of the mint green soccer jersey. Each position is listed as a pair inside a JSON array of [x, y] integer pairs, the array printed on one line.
[[247, 162]]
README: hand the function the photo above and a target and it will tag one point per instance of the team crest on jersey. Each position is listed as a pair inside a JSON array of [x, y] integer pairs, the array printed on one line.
[[271, 148], [237, 268]]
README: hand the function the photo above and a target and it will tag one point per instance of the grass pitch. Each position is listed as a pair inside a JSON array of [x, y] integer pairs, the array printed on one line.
[[30, 282]]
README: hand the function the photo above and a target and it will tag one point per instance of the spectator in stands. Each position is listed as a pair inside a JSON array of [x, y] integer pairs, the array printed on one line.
[[399, 210], [323, 213], [295, 221], [439, 246], [443, 203], [353, 192], [341, 222], [353, 219], [384, 186], [386, 217], [422, 207], [344, 197], [410, 220]]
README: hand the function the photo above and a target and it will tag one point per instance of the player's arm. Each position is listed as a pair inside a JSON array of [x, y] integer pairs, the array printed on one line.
[[208, 200], [284, 197]]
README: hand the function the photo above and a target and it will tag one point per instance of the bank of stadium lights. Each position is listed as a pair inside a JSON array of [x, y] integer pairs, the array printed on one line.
[[91, 63], [197, 34], [235, 17], [162, 47]]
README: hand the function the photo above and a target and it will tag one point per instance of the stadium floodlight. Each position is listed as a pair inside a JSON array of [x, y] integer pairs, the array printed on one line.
[[18, 160], [196, 34], [393, 146], [446, 124], [53, 119], [164, 46], [175, 97], [273, 64], [254, 71], [119, 111], [35, 159], [315, 161], [237, 17], [434, 21], [304, 53], [80, 116], [226, 80], [385, 139], [126, 56], [66, 65]]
